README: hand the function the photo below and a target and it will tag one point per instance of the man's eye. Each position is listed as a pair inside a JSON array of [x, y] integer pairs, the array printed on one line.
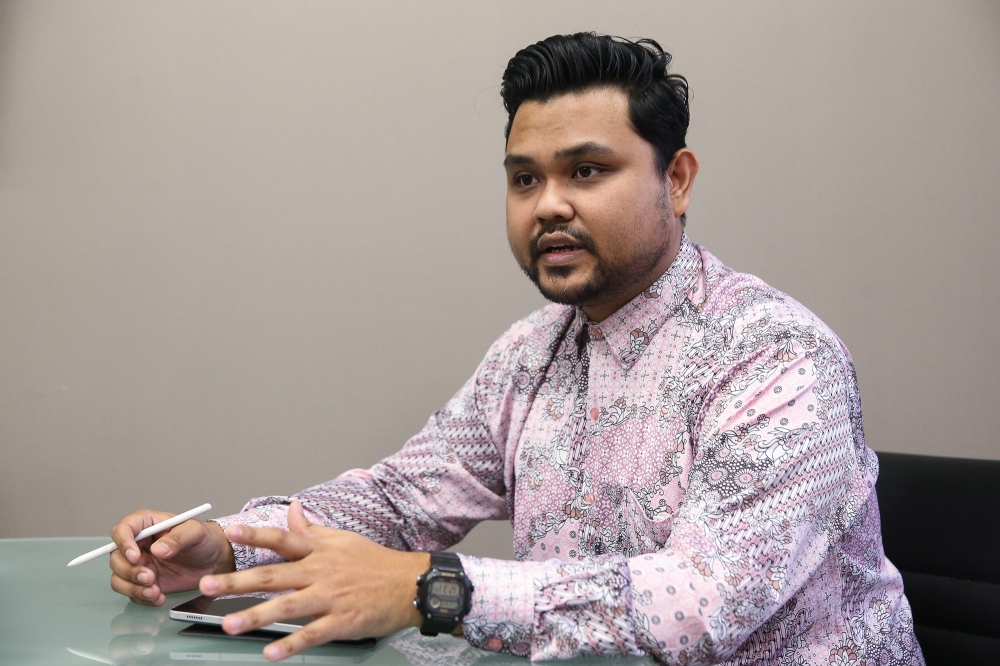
[[587, 172], [524, 179]]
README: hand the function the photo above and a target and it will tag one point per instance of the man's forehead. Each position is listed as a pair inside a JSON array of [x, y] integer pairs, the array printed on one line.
[[568, 125]]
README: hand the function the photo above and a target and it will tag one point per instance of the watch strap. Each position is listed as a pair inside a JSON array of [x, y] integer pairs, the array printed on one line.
[[446, 562], [432, 626]]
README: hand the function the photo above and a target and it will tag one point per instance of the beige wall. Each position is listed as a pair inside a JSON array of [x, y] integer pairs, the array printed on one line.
[[247, 245]]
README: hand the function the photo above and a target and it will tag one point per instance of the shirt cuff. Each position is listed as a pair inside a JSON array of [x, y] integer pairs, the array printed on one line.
[[502, 616], [263, 512]]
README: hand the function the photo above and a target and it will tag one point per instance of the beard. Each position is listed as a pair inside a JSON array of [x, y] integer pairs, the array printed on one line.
[[607, 281]]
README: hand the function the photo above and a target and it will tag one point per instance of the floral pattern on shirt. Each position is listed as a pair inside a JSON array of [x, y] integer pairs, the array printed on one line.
[[687, 479]]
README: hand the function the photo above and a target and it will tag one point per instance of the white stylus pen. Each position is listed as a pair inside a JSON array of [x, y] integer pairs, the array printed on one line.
[[148, 532]]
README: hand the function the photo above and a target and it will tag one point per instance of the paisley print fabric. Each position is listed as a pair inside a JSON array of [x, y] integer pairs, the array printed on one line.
[[687, 479]]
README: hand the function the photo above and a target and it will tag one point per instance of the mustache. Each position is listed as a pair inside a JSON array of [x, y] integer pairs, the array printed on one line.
[[580, 236]]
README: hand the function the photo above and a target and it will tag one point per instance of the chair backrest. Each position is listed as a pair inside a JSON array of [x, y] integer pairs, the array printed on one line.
[[941, 528]]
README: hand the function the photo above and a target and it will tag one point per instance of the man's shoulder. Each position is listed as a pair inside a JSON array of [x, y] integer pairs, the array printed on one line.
[[537, 330], [748, 304], [520, 356]]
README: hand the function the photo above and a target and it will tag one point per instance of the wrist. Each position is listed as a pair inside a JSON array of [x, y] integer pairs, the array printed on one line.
[[225, 561], [419, 563]]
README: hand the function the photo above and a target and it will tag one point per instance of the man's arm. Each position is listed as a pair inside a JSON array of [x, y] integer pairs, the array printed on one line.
[[357, 579], [428, 496]]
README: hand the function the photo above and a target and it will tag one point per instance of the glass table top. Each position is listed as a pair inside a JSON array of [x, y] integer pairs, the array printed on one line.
[[51, 614]]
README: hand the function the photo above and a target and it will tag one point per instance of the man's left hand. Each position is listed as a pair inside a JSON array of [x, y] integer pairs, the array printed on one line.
[[354, 587]]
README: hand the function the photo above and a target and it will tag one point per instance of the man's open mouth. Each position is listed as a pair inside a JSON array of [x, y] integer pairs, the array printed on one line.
[[559, 244], [558, 249]]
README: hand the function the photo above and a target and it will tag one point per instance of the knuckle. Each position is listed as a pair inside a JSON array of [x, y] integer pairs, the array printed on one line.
[[265, 575], [288, 605], [114, 562], [292, 644], [123, 587], [308, 636], [251, 619]]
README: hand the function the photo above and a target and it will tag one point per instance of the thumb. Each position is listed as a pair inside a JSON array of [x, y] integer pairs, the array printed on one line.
[[182, 536], [297, 521]]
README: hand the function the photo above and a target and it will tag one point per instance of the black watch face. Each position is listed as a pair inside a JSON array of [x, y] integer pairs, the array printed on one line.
[[445, 596]]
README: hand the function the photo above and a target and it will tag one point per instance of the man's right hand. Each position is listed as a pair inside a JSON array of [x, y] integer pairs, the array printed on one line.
[[172, 561]]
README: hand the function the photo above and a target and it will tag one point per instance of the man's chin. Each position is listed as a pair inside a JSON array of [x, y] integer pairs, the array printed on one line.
[[569, 291]]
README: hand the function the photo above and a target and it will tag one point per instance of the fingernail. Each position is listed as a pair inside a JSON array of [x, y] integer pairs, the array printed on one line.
[[236, 624], [143, 578], [148, 593], [160, 549], [131, 555], [234, 531], [273, 652], [209, 584]]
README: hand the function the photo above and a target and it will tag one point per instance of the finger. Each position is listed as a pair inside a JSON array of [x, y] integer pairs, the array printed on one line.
[[315, 633], [270, 578], [139, 574], [297, 521], [123, 533], [289, 545], [284, 607], [141, 594], [179, 537]]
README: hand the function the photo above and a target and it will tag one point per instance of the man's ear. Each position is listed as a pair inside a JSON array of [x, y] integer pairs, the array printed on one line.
[[681, 172]]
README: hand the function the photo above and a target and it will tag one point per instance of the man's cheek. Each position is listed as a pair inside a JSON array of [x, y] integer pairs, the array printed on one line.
[[519, 246]]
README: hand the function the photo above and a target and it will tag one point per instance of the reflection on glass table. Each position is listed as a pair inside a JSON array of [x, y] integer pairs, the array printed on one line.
[[53, 615]]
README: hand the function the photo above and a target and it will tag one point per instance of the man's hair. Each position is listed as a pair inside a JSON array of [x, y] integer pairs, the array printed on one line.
[[657, 100]]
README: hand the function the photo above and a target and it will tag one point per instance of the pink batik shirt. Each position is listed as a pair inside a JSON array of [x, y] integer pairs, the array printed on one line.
[[687, 479]]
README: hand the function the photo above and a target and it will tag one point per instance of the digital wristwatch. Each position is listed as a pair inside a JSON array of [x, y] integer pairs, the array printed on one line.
[[444, 595]]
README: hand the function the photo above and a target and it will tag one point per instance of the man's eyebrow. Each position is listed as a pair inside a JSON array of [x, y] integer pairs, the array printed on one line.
[[585, 148], [515, 159], [579, 150]]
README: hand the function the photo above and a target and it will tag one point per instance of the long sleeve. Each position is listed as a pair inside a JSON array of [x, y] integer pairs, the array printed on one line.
[[446, 479], [776, 481], [427, 496]]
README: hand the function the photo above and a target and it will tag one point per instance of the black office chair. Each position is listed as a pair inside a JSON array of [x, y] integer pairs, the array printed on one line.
[[941, 528]]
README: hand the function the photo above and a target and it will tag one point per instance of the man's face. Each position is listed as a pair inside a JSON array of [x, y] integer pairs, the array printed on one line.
[[589, 216]]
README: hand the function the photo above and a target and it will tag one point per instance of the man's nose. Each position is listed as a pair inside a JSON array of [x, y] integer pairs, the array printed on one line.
[[553, 205]]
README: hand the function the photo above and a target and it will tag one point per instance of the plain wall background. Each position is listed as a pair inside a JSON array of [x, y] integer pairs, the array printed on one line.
[[245, 246]]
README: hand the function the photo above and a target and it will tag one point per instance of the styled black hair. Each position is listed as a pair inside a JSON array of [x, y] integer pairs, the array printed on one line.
[[657, 100]]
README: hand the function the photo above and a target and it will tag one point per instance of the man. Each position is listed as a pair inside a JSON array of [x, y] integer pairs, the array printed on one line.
[[678, 446]]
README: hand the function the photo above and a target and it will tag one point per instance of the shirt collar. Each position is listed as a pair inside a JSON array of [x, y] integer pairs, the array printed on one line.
[[630, 330]]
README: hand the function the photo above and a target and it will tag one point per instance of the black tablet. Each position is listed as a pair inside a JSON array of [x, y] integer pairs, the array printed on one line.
[[208, 612]]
